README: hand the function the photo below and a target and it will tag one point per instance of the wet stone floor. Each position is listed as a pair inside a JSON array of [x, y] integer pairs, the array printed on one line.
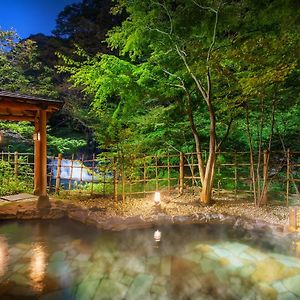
[[65, 260]]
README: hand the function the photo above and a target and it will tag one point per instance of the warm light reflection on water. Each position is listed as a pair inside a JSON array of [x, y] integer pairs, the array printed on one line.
[[38, 266], [4, 256]]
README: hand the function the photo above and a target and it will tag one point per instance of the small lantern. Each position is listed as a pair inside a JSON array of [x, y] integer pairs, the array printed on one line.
[[294, 218], [36, 136], [157, 236], [157, 198]]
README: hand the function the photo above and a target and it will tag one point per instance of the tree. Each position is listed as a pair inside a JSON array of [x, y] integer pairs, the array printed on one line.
[[86, 24], [199, 64]]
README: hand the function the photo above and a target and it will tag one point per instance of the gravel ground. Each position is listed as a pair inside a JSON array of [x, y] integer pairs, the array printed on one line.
[[187, 204]]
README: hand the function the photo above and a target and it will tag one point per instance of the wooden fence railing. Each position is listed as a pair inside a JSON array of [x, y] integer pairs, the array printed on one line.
[[133, 176]]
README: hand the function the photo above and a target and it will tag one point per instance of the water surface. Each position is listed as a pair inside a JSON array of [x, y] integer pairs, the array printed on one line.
[[65, 260]]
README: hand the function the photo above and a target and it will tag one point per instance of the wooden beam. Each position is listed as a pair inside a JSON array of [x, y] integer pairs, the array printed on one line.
[[17, 118], [21, 106], [18, 105]]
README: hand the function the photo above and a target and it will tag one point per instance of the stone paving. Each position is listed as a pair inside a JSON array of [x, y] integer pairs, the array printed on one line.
[[71, 269]]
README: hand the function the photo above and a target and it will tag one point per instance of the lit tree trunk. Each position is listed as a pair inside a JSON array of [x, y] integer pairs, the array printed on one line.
[[207, 182], [207, 171]]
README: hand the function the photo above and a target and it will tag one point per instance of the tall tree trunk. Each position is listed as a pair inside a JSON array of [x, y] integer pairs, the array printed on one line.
[[207, 183]]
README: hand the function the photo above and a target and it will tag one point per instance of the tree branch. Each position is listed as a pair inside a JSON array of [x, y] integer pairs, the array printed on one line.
[[225, 136]]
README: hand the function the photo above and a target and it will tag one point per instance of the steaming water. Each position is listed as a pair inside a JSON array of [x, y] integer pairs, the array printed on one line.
[[65, 260]]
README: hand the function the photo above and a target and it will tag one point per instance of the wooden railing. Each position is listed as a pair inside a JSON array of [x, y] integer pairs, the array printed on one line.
[[139, 175]]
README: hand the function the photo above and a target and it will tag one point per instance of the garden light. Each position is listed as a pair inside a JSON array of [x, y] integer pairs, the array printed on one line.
[[36, 136], [157, 236], [157, 198]]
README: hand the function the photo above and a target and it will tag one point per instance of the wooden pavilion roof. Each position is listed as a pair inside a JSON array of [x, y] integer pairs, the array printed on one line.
[[18, 107]]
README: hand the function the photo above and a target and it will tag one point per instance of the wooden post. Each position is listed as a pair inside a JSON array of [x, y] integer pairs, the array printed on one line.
[[115, 180], [123, 184], [264, 192], [27, 165], [93, 171], [37, 159], [81, 171], [219, 173], [235, 175], [145, 175], [181, 175], [43, 200], [288, 170], [104, 180], [71, 172], [156, 173], [192, 172], [16, 160], [51, 173], [169, 174], [58, 171], [130, 176]]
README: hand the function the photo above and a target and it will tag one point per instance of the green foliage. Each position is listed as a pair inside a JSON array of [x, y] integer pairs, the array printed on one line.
[[64, 145], [20, 68], [10, 184]]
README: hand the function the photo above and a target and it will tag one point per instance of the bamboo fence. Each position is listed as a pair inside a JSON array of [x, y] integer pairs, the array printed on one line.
[[140, 175]]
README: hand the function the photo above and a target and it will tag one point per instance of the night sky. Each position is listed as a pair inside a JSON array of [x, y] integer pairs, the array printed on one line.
[[31, 16]]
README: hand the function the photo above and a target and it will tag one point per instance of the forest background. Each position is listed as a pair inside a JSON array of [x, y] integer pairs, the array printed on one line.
[[158, 76]]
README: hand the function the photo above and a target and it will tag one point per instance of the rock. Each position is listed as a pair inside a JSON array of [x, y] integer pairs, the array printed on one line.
[[110, 290], [58, 256], [270, 270], [55, 213], [79, 215], [87, 289], [140, 288], [187, 219], [293, 284], [63, 294], [266, 291], [165, 266]]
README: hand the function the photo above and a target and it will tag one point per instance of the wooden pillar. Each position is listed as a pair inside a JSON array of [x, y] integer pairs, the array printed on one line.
[[58, 170], [36, 138], [181, 174], [43, 200]]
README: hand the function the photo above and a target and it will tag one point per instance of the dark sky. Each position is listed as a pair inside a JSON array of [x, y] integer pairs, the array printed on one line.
[[31, 16]]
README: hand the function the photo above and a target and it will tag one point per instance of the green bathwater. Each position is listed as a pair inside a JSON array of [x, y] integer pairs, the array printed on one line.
[[65, 260]]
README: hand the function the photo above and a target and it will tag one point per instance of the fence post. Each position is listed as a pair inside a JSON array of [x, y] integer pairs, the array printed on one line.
[[57, 183], [123, 181], [16, 160], [181, 175], [169, 174], [219, 172], [81, 173], [288, 169], [156, 173], [264, 192], [235, 175], [51, 173], [145, 176], [115, 180], [71, 173], [93, 171]]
